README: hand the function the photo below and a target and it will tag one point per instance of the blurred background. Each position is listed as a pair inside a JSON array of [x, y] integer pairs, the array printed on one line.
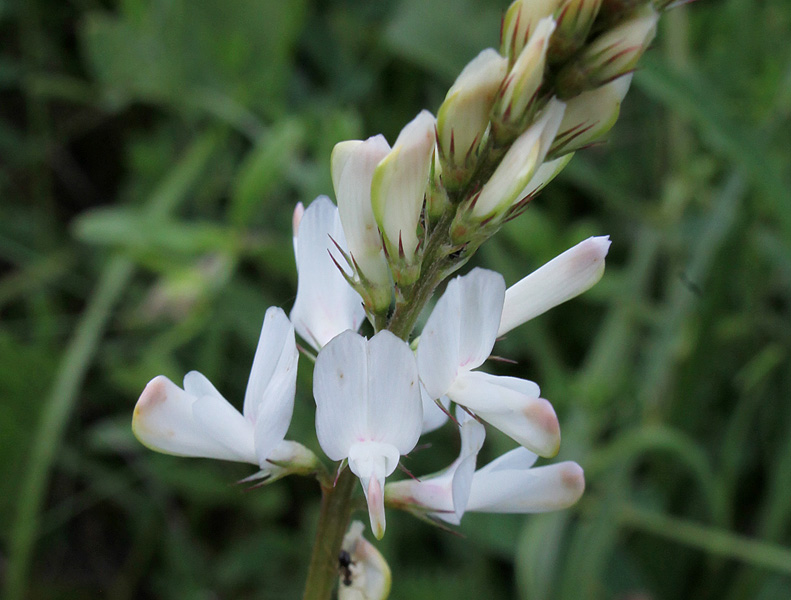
[[151, 154]]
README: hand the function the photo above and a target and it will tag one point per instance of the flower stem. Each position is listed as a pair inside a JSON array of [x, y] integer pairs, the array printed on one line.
[[336, 508]]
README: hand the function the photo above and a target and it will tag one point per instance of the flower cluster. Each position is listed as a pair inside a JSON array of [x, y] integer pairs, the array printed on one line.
[[407, 217], [374, 397]]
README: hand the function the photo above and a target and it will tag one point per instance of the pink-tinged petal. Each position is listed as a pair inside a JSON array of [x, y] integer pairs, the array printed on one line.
[[275, 357], [296, 218], [163, 421], [561, 279], [372, 462], [326, 304], [340, 386], [433, 416], [461, 330], [225, 425], [508, 404], [395, 410], [536, 490]]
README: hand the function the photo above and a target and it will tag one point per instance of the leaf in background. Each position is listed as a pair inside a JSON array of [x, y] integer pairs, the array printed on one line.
[[444, 35], [224, 56]]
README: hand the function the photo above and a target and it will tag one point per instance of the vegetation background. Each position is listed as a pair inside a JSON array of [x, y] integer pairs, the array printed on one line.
[[151, 153]]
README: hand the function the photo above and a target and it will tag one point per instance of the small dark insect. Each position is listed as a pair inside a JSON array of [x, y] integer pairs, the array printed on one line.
[[344, 562]]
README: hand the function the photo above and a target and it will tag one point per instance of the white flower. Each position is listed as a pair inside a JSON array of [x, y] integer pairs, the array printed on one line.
[[564, 277], [326, 304], [368, 409], [197, 421], [353, 163], [506, 485], [458, 337], [367, 576]]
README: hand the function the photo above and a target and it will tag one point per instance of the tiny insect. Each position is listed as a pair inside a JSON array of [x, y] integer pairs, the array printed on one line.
[[344, 562]]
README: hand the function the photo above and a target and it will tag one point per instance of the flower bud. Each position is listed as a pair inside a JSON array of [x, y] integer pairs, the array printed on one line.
[[398, 189], [463, 117], [590, 115], [365, 574], [518, 165], [544, 174], [519, 23], [353, 163], [574, 20], [520, 88], [611, 55]]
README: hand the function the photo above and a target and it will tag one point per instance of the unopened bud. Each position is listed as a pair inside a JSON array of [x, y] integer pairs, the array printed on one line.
[[353, 163], [364, 573], [519, 23], [513, 173], [589, 116], [611, 55], [520, 89], [398, 189], [543, 175], [464, 115], [574, 21]]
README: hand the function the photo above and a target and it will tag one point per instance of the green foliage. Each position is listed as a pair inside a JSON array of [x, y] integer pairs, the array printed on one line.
[[152, 154]]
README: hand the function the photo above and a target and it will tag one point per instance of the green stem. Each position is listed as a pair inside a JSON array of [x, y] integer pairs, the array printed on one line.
[[333, 521]]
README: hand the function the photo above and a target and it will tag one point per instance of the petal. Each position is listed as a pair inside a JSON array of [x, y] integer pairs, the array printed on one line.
[[512, 406], [541, 489], [461, 330], [561, 279], [163, 420], [353, 164], [340, 385], [225, 425], [395, 410], [399, 184], [472, 437], [196, 384], [518, 458], [433, 416], [370, 574], [326, 304], [275, 357], [372, 462]]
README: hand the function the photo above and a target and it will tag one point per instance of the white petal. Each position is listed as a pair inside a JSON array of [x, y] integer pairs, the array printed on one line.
[[340, 387], [326, 304], [561, 279], [510, 405], [399, 184], [472, 437], [540, 489], [372, 462], [395, 410], [461, 331], [163, 420], [275, 356], [433, 416], [353, 164], [224, 424], [518, 458], [197, 384]]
